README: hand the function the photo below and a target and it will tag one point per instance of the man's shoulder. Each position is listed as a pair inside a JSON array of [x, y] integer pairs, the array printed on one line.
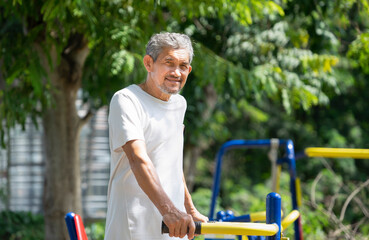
[[179, 98], [128, 92], [127, 95], [131, 89]]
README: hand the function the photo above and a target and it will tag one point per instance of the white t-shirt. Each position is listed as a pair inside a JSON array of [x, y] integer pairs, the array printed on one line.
[[134, 114]]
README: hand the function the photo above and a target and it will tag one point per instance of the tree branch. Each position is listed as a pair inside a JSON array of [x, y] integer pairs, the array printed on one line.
[[333, 218], [356, 199], [313, 187], [75, 55], [346, 229], [333, 200], [351, 196], [358, 224]]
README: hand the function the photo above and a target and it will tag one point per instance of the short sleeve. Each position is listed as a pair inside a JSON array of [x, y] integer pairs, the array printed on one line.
[[124, 121]]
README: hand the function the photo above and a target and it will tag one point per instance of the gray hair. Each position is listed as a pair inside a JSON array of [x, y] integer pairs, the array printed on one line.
[[174, 40]]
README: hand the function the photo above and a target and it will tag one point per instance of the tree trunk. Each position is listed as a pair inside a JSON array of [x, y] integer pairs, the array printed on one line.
[[62, 189], [62, 125]]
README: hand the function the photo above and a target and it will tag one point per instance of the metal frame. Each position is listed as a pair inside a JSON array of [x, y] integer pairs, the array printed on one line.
[[289, 159]]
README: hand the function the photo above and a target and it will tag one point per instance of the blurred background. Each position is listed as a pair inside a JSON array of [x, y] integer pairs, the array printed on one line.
[[285, 69]]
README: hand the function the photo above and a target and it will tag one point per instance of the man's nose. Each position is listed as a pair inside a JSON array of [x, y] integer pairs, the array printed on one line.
[[177, 72]]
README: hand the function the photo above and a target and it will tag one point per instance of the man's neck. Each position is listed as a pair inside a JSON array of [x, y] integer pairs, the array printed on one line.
[[153, 90]]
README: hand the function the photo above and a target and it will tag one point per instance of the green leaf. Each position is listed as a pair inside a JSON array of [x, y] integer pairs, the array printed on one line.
[[286, 101]]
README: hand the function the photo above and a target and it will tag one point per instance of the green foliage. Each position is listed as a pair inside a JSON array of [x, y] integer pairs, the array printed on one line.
[[314, 224], [201, 198], [95, 230], [280, 66], [3, 196], [21, 226], [21, 71], [117, 32], [359, 52], [325, 198], [242, 12]]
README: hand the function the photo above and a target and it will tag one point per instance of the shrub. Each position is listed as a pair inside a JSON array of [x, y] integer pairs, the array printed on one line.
[[21, 226]]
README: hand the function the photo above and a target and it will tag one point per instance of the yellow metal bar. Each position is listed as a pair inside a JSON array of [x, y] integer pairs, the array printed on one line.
[[220, 236], [259, 216], [234, 228], [290, 218], [337, 152], [298, 192]]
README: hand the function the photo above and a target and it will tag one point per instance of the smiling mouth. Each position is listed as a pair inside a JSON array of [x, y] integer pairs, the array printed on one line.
[[173, 80]]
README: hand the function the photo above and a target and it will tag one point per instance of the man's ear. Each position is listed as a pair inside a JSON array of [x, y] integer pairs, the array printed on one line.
[[148, 62]]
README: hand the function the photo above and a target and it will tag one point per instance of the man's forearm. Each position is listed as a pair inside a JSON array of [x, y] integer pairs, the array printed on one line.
[[178, 222], [147, 178], [190, 207], [188, 199]]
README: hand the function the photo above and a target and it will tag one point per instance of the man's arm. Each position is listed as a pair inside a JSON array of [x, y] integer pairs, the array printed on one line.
[[147, 178], [190, 207]]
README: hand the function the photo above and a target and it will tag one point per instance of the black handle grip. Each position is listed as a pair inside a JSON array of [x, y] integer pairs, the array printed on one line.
[[165, 229]]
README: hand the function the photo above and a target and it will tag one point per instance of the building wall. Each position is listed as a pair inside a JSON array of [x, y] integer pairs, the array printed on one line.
[[22, 165]]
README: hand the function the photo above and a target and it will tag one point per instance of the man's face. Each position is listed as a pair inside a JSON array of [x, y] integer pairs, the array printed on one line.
[[170, 70]]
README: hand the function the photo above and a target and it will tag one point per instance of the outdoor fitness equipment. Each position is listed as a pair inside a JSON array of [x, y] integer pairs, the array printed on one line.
[[289, 159], [272, 228], [337, 152], [75, 226]]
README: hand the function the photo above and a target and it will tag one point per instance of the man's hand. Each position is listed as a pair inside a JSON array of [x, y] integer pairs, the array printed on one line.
[[179, 224], [197, 216]]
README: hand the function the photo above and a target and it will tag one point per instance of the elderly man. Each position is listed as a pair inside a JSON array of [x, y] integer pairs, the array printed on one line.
[[146, 184]]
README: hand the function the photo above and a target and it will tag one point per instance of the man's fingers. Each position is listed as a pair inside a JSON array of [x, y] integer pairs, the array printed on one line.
[[171, 230], [171, 226], [183, 230], [191, 230], [180, 225], [177, 230], [185, 222]]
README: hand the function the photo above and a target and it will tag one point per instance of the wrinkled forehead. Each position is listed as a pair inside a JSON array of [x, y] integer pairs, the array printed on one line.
[[172, 54]]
